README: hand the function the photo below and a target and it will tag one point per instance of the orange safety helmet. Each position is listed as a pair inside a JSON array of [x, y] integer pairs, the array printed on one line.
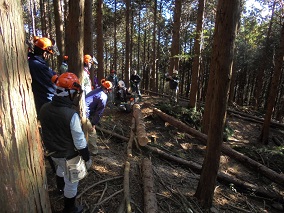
[[106, 84], [65, 57], [44, 44], [67, 80], [88, 59]]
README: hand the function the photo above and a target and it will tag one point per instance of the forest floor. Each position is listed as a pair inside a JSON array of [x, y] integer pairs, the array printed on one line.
[[102, 190]]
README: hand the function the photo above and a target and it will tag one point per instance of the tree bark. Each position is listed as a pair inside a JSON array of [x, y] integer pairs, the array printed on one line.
[[195, 66], [100, 42], [59, 31], [23, 177], [150, 200], [273, 90], [140, 126], [246, 161], [174, 60], [75, 35], [88, 33]]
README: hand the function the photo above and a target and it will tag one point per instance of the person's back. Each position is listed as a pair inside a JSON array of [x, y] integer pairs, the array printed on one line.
[[65, 139], [113, 78], [95, 101], [42, 87], [64, 66]]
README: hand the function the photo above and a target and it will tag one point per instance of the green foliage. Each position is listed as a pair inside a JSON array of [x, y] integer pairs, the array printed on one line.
[[270, 156], [189, 116]]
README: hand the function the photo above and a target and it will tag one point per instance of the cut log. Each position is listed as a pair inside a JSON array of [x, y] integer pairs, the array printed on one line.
[[150, 200], [140, 126], [221, 176], [246, 161]]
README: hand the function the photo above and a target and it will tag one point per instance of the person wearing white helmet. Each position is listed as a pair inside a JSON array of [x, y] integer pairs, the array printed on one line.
[[173, 83], [122, 92]]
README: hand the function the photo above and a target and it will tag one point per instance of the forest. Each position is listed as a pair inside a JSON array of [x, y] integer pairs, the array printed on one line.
[[219, 149]]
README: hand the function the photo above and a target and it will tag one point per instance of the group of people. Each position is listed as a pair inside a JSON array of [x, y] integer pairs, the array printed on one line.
[[56, 98]]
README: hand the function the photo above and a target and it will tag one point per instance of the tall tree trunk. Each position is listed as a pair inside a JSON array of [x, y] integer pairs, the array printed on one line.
[[88, 32], [59, 31], [197, 47], [75, 35], [273, 90], [115, 39], [100, 42], [43, 18], [23, 178], [228, 13], [262, 64], [153, 70], [175, 41], [127, 42]]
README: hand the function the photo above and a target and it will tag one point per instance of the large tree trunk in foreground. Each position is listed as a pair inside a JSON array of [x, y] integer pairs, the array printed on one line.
[[246, 161], [227, 18], [23, 181]]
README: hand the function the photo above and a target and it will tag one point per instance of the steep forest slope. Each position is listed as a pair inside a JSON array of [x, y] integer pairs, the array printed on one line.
[[174, 182]]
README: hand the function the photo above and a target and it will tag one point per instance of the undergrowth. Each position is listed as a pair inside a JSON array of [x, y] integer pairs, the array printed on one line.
[[191, 117]]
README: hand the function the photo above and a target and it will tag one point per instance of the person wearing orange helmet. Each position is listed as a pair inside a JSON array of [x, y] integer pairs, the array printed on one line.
[[64, 66], [43, 89], [64, 138], [87, 83], [96, 102]]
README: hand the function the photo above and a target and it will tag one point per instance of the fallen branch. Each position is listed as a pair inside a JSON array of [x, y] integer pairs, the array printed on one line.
[[112, 133], [246, 161], [98, 183], [126, 187], [106, 199], [131, 139]]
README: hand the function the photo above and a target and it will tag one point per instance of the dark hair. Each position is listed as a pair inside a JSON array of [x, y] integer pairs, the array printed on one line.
[[38, 51]]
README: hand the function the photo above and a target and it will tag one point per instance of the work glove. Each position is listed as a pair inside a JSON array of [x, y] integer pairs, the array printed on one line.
[[89, 163], [85, 154]]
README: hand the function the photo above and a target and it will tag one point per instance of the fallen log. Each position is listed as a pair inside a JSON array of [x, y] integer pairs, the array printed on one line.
[[112, 133], [220, 176], [139, 126], [229, 179], [246, 161], [150, 200], [256, 119], [277, 141]]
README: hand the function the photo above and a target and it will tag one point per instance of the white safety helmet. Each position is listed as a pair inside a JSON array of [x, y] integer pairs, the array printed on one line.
[[121, 83], [175, 72]]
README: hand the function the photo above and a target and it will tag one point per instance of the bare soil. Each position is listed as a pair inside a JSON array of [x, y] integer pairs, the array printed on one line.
[[102, 190]]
